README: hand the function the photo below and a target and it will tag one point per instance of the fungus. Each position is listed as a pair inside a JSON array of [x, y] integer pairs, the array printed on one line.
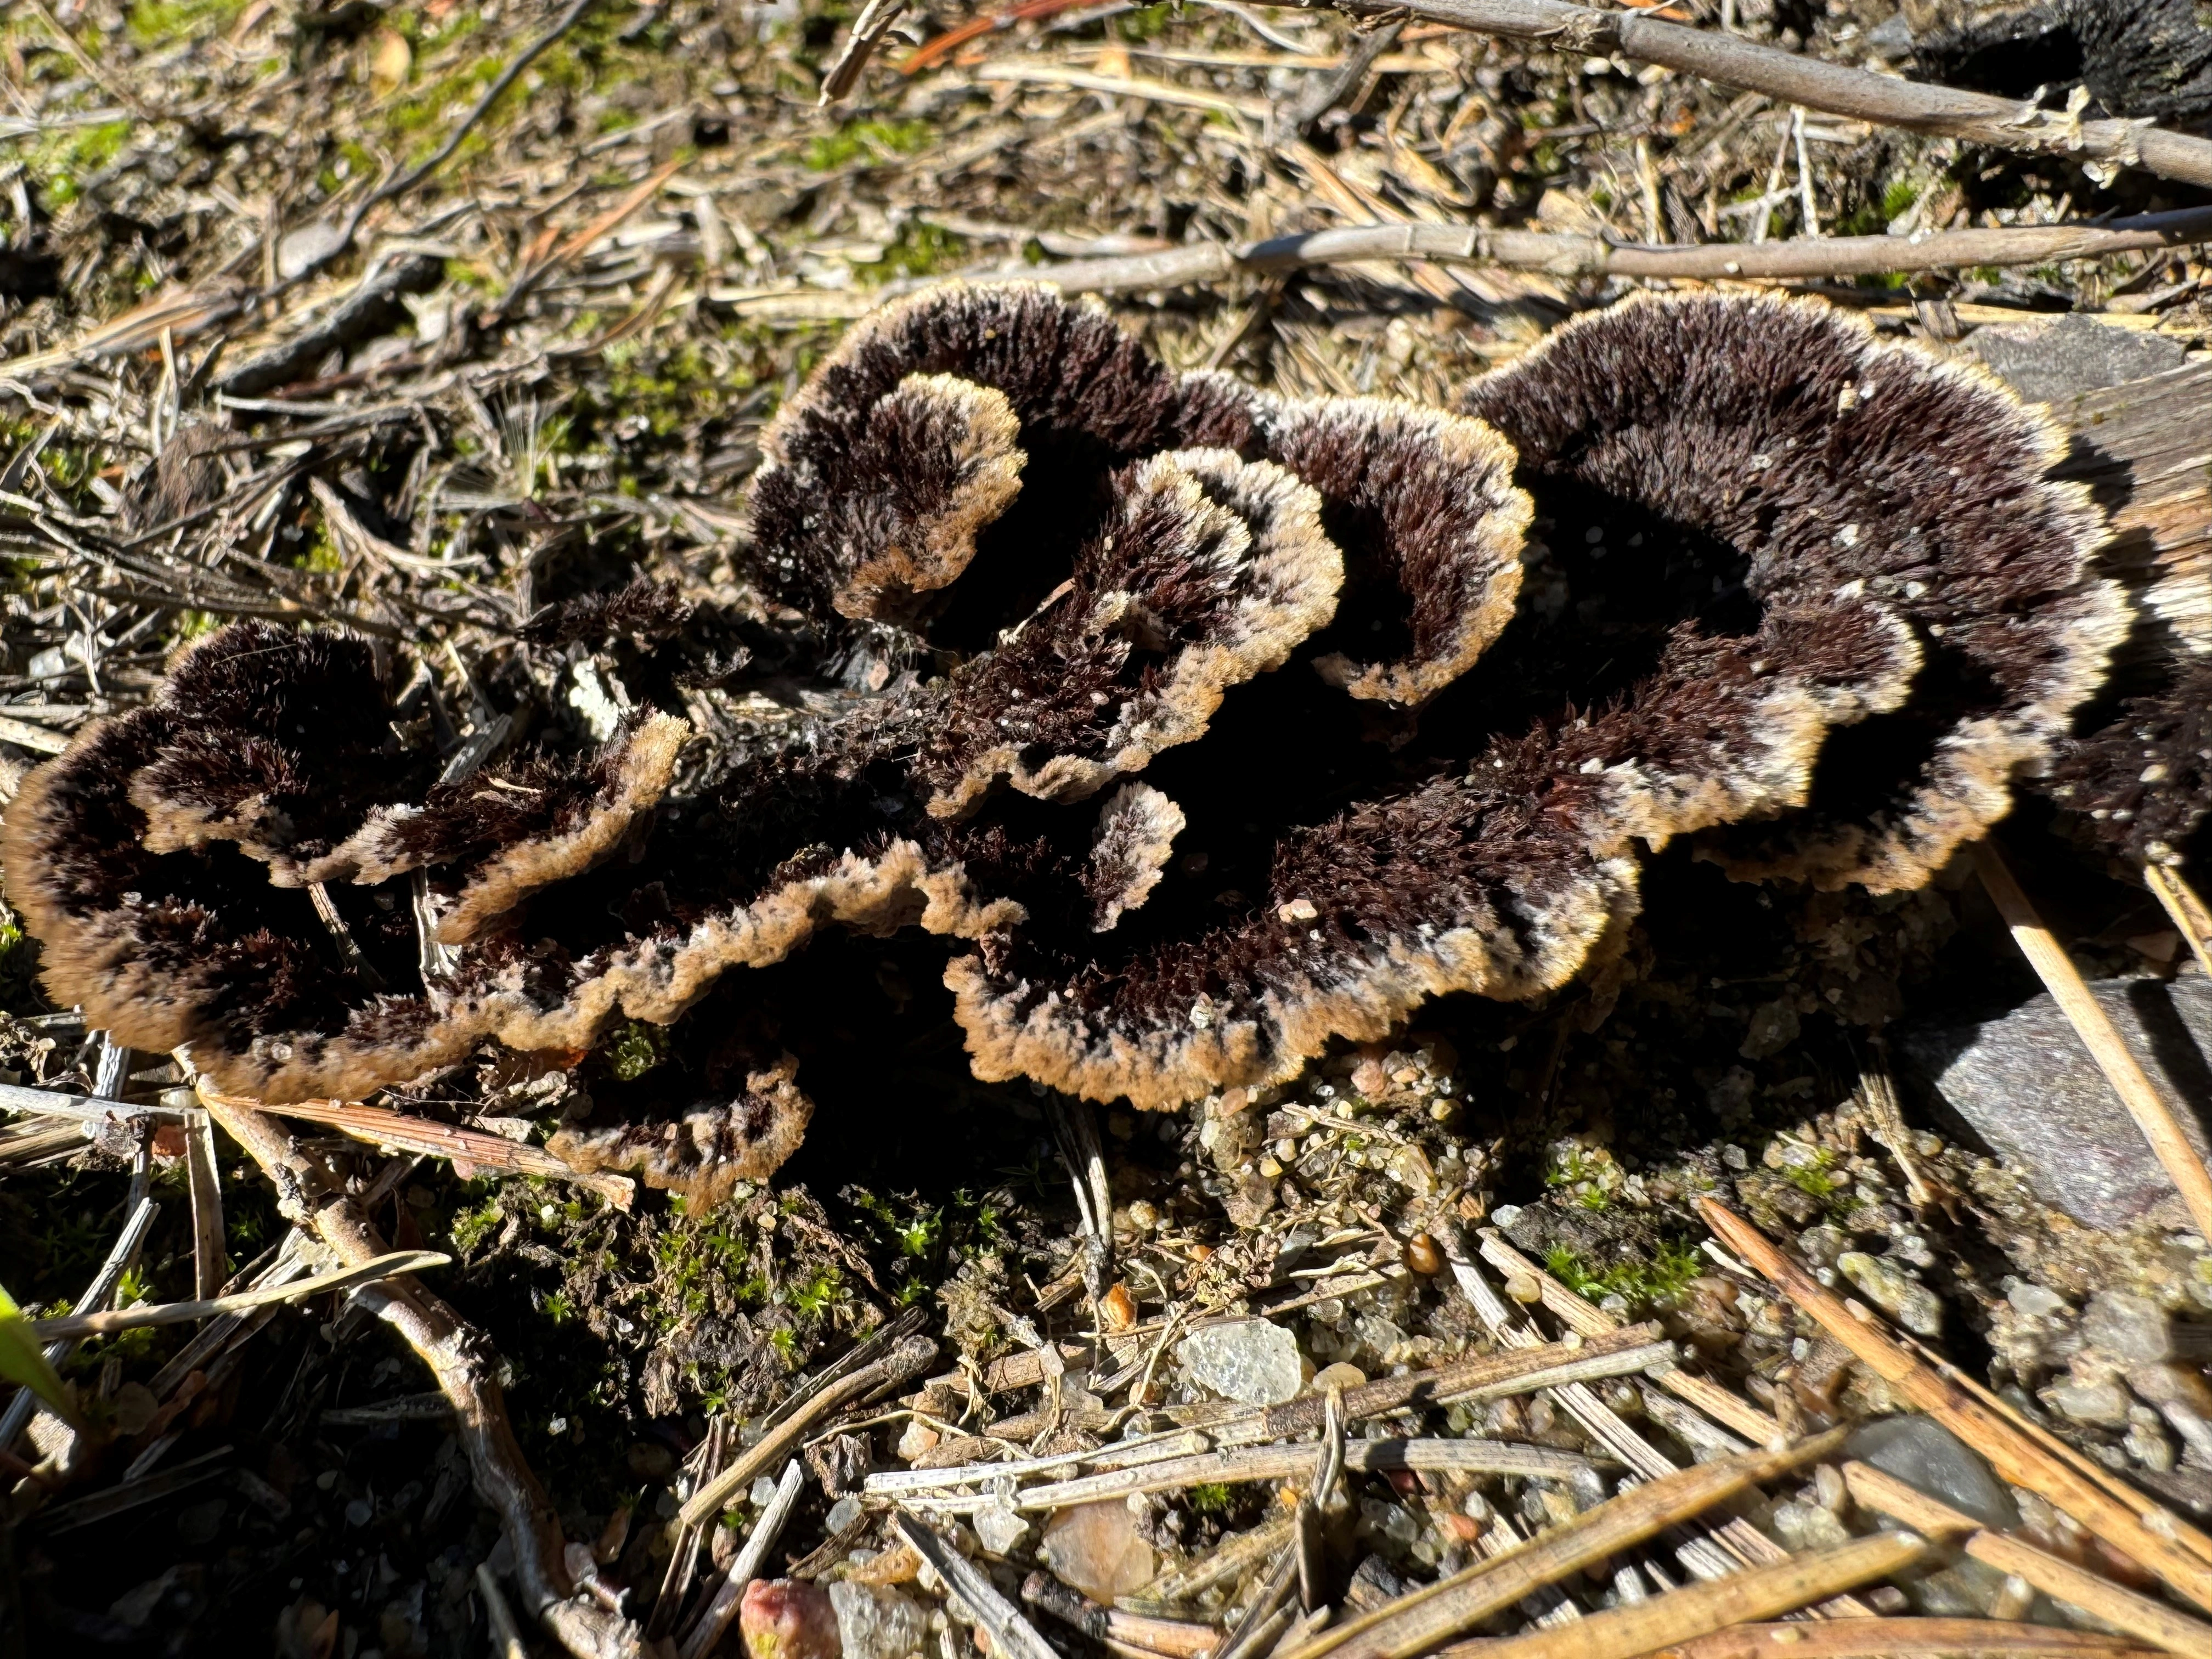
[[1351, 737], [1715, 458]]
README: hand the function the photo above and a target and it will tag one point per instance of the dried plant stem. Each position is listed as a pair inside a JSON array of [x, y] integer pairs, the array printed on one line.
[[1684, 1615], [1790, 78], [2186, 906], [905, 1361], [1239, 1464], [1414, 1623], [2137, 1615], [204, 1182], [1579, 1314], [1013, 1637], [1590, 256], [381, 1127], [183, 1313], [2152, 1112], [310, 1195], [715, 1618], [2142, 1530], [1908, 1638]]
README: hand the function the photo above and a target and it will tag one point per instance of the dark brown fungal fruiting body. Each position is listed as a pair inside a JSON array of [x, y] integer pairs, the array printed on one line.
[[1821, 466], [1146, 623], [2141, 787]]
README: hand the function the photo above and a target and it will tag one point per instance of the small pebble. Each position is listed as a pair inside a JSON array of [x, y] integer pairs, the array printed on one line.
[[1245, 1360], [2104, 1403], [789, 1619], [1000, 1529], [1913, 1305], [1094, 1548], [1117, 1309], [877, 1622]]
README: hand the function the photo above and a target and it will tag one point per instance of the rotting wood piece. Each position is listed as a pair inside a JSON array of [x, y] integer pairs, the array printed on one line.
[[310, 1195], [2150, 1533]]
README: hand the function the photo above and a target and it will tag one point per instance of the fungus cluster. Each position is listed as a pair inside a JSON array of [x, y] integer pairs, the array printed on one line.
[[1211, 726]]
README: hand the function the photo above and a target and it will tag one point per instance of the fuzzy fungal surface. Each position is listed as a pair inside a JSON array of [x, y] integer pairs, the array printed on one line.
[[1209, 727]]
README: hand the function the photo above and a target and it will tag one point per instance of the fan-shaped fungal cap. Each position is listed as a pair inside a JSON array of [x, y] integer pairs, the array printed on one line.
[[1822, 461], [2141, 784], [1786, 574], [1210, 571]]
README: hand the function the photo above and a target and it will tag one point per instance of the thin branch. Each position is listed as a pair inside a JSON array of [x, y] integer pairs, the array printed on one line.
[[381, 1127], [393, 189], [310, 1195], [1789, 78], [1592, 256], [869, 29]]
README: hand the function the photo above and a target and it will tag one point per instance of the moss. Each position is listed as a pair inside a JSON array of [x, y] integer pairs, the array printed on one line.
[[1659, 1282], [1143, 23], [1210, 1497], [853, 139], [164, 23], [920, 249], [471, 1228], [63, 162], [636, 1050]]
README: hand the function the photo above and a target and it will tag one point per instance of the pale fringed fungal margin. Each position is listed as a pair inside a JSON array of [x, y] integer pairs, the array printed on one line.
[[1773, 454], [1215, 726]]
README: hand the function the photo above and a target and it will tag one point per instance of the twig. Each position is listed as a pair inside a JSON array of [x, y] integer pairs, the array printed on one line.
[[730, 1593], [2149, 1107], [1683, 1615], [381, 1127], [85, 1109], [393, 189], [1415, 1623], [2137, 1615], [1175, 1637], [1229, 1563], [1590, 256], [2154, 1543], [184, 1313], [1344, 81], [1788, 78], [2186, 907], [905, 1361], [203, 1181], [869, 29], [1011, 1635], [507, 1637], [310, 1195]]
